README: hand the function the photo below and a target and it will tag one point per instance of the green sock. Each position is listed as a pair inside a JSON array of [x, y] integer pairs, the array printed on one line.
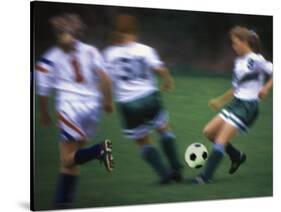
[[213, 161], [152, 157], [168, 143]]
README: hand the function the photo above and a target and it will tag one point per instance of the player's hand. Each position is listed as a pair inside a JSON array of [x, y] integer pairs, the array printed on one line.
[[263, 93], [167, 84], [215, 104], [45, 120], [108, 106]]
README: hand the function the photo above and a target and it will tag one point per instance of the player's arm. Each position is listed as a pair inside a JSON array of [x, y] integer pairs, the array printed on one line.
[[106, 90], [156, 65], [167, 82], [105, 83], [44, 82], [218, 102], [267, 67], [266, 88]]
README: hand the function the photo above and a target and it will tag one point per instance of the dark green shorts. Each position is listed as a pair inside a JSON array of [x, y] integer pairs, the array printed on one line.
[[240, 113], [141, 115]]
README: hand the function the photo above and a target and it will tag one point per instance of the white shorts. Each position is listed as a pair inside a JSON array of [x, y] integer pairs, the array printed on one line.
[[77, 120]]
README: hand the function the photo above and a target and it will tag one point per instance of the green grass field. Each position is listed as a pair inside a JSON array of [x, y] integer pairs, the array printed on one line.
[[133, 182]]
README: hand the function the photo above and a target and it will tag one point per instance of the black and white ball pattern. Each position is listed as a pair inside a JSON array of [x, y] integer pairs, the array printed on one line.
[[196, 155]]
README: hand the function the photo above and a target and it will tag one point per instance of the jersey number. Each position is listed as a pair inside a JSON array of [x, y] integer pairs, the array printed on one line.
[[251, 64], [132, 69], [77, 70]]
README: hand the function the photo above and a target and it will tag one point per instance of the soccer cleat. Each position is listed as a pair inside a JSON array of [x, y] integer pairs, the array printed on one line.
[[235, 164], [106, 155]]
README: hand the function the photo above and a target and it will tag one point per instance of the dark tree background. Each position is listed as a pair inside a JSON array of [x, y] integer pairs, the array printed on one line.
[[195, 39]]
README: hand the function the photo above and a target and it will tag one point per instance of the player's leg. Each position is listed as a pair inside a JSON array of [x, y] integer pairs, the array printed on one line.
[[169, 146], [156, 117], [225, 134], [76, 131], [152, 156], [241, 114], [79, 122], [212, 129], [101, 151], [73, 137], [68, 176], [71, 155], [137, 116]]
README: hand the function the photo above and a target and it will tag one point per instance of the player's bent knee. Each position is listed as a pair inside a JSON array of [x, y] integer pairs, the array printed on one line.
[[67, 161], [208, 133]]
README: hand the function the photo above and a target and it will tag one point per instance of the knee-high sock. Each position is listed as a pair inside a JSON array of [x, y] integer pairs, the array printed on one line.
[[233, 153], [151, 155], [84, 155], [169, 146], [65, 191], [213, 161]]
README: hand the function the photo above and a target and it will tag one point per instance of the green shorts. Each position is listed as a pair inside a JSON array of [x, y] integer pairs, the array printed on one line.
[[240, 113], [142, 115]]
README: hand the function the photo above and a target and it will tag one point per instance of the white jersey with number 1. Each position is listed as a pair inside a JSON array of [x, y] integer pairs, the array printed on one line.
[[74, 77], [72, 80], [131, 69]]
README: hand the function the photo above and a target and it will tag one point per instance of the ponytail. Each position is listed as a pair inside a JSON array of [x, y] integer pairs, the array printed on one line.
[[247, 35], [254, 42]]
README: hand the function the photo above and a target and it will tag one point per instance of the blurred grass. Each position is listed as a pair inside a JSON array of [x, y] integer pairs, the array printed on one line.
[[133, 182]]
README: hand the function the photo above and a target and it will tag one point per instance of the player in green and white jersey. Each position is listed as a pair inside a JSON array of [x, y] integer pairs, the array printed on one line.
[[132, 67], [249, 74]]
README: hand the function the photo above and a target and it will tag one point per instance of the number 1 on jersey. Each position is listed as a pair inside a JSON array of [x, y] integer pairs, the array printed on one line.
[[77, 71]]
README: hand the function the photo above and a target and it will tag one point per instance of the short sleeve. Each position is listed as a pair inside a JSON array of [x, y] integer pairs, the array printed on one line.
[[153, 59], [265, 66], [44, 69]]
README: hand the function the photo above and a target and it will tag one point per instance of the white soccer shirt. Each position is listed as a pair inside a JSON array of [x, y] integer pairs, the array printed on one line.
[[72, 75], [248, 75], [131, 69]]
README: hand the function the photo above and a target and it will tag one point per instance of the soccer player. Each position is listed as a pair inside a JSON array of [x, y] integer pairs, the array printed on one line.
[[249, 86], [75, 71], [132, 67]]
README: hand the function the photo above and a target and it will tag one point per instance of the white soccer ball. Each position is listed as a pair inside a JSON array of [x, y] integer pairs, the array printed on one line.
[[196, 155]]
